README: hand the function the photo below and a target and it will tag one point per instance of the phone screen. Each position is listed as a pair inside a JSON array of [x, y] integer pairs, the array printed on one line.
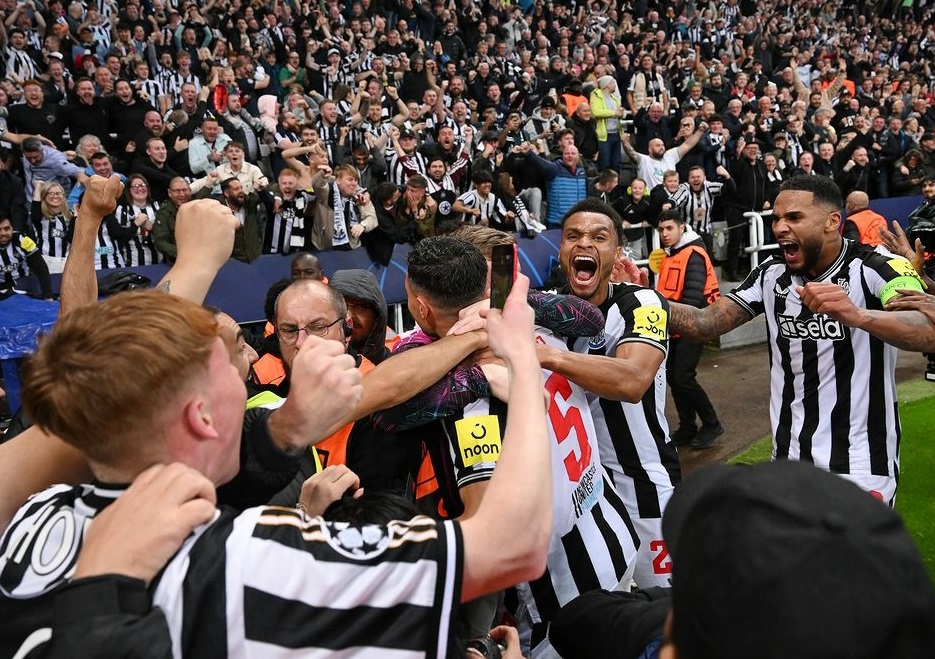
[[503, 268]]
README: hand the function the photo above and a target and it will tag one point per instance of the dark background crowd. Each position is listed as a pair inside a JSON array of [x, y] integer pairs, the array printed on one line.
[[336, 126]]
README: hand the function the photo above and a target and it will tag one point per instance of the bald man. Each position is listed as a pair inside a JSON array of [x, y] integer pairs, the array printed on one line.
[[862, 224]]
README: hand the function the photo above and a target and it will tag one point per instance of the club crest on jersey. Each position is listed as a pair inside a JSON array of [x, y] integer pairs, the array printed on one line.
[[597, 342], [815, 328], [845, 284]]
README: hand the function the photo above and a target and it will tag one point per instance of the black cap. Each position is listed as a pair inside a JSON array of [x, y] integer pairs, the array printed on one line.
[[784, 560], [928, 136], [406, 132], [547, 102], [490, 136]]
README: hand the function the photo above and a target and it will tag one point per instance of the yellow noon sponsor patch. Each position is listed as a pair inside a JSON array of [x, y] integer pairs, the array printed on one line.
[[650, 322], [479, 439], [903, 267]]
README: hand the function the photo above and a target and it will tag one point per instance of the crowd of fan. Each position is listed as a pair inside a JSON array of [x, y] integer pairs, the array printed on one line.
[[329, 126]]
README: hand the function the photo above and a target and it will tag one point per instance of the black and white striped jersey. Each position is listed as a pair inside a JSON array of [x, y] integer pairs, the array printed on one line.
[[13, 259], [404, 166], [20, 64], [492, 209], [328, 136], [52, 233], [634, 437], [832, 387], [172, 85], [269, 582], [593, 540], [150, 91], [107, 253], [139, 248], [696, 207]]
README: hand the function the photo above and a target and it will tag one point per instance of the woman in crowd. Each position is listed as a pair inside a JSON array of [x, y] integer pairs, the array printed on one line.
[[134, 218], [51, 218]]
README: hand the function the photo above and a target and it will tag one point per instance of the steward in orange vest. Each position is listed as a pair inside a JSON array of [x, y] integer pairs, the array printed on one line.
[[687, 276], [862, 224]]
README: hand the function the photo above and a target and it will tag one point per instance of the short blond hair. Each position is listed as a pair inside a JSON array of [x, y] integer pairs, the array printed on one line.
[[101, 379]]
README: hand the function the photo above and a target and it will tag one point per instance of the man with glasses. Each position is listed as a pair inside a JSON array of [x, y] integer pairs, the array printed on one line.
[[179, 193]]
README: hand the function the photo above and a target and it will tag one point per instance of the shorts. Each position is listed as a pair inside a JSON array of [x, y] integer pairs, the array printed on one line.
[[879, 487]]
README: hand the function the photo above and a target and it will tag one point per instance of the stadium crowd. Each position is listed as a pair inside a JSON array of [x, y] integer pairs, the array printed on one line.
[[333, 488], [374, 123]]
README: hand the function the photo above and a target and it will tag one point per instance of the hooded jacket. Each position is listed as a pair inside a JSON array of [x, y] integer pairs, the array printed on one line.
[[362, 285]]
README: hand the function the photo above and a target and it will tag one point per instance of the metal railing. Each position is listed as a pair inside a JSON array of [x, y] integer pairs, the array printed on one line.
[[757, 235]]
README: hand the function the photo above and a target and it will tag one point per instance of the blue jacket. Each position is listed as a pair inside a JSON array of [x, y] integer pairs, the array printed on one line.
[[565, 188]]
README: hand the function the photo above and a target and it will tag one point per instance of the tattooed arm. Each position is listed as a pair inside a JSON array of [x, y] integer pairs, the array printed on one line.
[[702, 325]]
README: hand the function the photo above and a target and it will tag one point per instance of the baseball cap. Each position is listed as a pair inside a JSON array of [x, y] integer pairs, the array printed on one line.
[[928, 136], [490, 136], [547, 102], [406, 132], [784, 560], [333, 51]]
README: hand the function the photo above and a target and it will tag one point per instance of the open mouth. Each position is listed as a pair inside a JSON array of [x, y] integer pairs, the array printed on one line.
[[584, 270], [790, 249]]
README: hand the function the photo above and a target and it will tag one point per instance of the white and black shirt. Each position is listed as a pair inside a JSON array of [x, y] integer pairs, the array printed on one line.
[[695, 206], [492, 209], [634, 437], [832, 387], [266, 582], [139, 248], [593, 540]]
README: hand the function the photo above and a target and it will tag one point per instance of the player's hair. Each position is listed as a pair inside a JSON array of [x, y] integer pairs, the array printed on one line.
[[483, 238], [104, 377], [595, 205], [450, 272], [824, 190]]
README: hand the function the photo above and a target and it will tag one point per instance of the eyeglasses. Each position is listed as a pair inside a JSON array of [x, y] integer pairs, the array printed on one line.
[[143, 186], [290, 333], [54, 193]]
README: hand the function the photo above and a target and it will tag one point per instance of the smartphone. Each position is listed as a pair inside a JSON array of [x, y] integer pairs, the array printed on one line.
[[504, 265]]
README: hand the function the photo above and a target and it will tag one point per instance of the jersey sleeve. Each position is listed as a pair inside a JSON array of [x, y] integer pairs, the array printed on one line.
[[892, 274], [749, 294], [476, 440]]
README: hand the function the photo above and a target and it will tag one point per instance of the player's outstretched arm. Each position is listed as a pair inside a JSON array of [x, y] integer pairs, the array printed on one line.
[[507, 540], [79, 280], [204, 238], [702, 325]]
